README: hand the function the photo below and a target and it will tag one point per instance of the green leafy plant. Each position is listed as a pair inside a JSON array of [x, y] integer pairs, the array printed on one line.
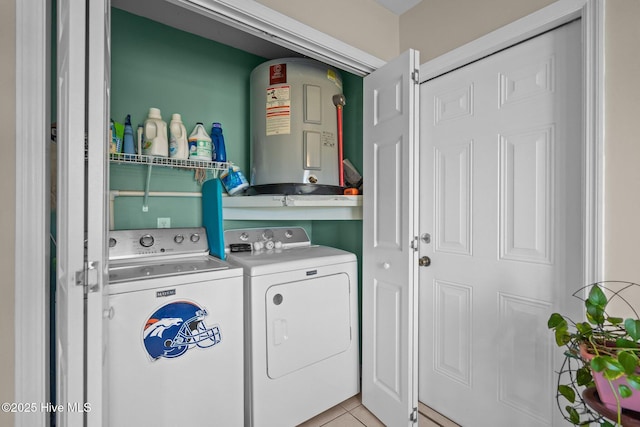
[[611, 342]]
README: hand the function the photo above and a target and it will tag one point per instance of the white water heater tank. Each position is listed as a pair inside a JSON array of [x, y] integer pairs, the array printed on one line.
[[294, 128]]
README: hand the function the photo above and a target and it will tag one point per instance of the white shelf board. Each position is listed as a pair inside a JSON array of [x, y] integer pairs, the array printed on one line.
[[278, 207]]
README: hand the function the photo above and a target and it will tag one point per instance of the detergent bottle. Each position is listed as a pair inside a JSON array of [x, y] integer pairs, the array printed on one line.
[[200, 147], [116, 143], [155, 135], [178, 144], [220, 154]]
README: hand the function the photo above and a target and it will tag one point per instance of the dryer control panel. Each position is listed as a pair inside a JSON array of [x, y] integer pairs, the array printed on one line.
[[256, 239]]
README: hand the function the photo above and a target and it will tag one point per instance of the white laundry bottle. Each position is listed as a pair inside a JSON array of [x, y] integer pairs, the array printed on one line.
[[155, 141], [200, 146], [178, 144]]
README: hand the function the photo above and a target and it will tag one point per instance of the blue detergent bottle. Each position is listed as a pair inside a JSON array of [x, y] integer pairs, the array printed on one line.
[[129, 146], [217, 138]]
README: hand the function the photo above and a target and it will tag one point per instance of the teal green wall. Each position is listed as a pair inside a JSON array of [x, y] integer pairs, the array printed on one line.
[[153, 65]]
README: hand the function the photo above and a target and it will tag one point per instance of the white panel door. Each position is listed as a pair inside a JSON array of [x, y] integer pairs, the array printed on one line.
[[389, 294], [98, 86], [70, 211], [501, 199]]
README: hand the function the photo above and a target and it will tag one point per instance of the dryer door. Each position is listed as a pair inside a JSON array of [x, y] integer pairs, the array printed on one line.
[[307, 321]]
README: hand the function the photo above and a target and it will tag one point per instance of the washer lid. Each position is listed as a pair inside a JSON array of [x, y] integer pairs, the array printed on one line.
[[128, 271]]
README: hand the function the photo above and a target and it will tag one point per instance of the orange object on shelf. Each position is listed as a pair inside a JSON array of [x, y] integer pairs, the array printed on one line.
[[351, 191]]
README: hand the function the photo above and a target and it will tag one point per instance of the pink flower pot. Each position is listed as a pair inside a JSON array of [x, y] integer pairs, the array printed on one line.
[[605, 392]]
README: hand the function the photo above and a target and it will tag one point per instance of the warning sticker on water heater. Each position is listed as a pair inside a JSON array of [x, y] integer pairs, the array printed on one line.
[[278, 110]]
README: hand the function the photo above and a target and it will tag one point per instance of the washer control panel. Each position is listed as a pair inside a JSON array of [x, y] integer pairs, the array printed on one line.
[[125, 244], [258, 239]]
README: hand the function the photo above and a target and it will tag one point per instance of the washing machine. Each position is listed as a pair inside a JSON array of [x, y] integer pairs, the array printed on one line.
[[301, 324], [174, 344]]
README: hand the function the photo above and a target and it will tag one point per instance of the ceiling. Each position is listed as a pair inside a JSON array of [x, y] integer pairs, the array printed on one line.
[[398, 6]]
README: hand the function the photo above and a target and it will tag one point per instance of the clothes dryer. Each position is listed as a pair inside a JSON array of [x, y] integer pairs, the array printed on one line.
[[301, 324]]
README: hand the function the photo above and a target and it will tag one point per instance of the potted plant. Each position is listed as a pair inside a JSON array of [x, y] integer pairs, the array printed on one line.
[[602, 351]]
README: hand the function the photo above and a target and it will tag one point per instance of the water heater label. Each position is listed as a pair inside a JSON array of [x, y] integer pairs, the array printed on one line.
[[277, 74], [278, 110]]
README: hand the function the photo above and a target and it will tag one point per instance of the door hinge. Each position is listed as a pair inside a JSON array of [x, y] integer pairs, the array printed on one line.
[[414, 244], [415, 76], [413, 417], [88, 277]]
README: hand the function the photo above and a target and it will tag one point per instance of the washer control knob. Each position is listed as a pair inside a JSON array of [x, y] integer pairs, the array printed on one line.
[[146, 240], [267, 234], [178, 238], [258, 245], [195, 237], [269, 244]]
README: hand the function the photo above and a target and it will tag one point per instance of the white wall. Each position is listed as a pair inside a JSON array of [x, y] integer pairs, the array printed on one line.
[[622, 136], [361, 23], [435, 27], [7, 195]]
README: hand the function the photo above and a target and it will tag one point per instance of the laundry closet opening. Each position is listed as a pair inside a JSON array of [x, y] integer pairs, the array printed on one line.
[[156, 65]]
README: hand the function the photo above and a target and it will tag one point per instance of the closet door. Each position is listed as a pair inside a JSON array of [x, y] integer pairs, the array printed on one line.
[[502, 199], [81, 214], [98, 87], [390, 261], [70, 211]]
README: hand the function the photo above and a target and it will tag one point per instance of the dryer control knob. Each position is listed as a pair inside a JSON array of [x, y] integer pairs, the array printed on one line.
[[278, 244], [269, 244], [257, 246]]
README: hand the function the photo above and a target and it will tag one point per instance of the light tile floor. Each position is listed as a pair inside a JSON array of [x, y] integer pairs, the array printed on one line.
[[351, 413]]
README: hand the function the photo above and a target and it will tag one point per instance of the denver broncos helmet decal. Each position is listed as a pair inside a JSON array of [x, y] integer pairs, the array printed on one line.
[[177, 327]]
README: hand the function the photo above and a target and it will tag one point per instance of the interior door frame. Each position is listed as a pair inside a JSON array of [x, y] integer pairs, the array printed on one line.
[[591, 14], [33, 71]]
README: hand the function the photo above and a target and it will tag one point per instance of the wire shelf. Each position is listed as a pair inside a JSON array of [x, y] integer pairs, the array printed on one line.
[[150, 161], [141, 159]]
